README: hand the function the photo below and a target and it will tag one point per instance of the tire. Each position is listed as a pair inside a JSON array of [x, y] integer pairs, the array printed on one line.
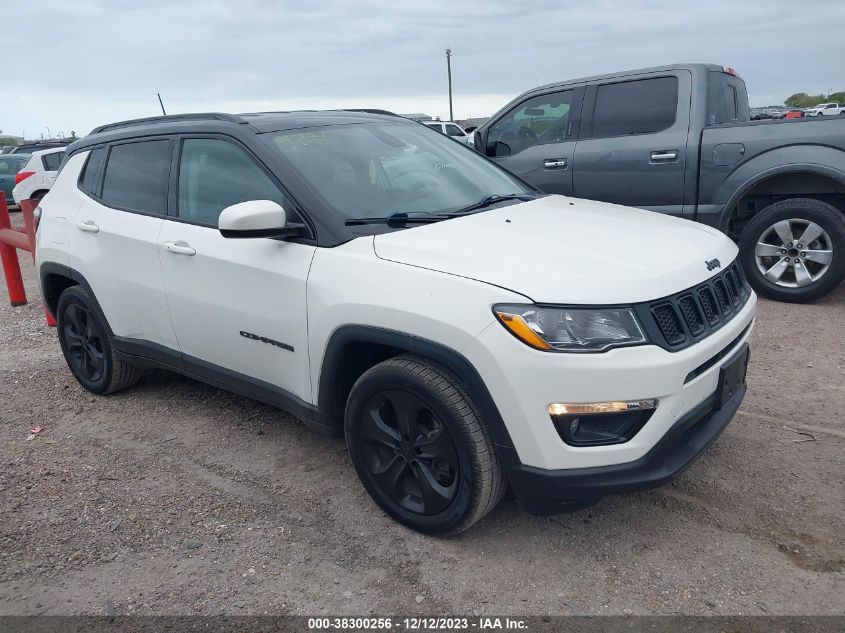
[[439, 414], [88, 345], [763, 250]]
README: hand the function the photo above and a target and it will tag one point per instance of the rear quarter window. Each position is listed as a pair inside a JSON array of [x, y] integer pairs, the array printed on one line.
[[52, 162], [89, 178]]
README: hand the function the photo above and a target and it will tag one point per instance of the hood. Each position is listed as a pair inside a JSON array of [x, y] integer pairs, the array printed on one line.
[[566, 250]]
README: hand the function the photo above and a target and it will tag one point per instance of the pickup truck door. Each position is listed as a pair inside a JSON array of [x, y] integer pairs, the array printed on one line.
[[632, 149], [536, 138]]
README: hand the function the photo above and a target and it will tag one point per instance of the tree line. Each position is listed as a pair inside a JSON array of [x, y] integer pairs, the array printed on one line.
[[803, 100]]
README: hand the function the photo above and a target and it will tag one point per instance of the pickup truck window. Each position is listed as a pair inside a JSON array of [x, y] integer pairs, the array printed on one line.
[[541, 119], [643, 106], [732, 103]]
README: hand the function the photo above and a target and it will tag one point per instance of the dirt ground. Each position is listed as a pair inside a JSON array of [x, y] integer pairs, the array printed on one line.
[[178, 498]]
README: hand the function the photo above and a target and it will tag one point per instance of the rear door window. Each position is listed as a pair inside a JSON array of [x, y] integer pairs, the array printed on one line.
[[643, 106], [453, 130], [136, 176]]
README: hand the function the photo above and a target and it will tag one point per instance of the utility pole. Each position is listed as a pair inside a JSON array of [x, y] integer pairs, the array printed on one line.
[[449, 72]]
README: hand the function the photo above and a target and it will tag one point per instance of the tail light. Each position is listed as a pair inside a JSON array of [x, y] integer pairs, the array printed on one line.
[[729, 70], [23, 175], [36, 218]]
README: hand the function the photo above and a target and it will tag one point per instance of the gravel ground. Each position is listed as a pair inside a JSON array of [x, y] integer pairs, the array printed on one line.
[[178, 498]]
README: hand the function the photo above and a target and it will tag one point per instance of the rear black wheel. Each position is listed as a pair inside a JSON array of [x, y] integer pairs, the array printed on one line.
[[86, 343], [794, 250], [419, 447]]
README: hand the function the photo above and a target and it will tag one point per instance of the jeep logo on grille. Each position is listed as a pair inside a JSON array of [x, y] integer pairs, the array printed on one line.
[[713, 263]]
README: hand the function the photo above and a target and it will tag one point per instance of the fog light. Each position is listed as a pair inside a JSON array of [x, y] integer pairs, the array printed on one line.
[[600, 423], [587, 408]]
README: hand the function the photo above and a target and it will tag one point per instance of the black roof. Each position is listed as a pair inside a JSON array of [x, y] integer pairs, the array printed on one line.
[[255, 122], [259, 121]]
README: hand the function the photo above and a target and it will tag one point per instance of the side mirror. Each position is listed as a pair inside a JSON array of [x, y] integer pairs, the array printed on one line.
[[256, 218], [498, 148], [471, 139]]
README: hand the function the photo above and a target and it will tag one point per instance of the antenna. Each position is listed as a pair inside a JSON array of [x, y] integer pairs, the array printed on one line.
[[449, 72], [158, 94]]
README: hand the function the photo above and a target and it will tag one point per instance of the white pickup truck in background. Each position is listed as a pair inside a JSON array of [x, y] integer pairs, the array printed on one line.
[[825, 109]]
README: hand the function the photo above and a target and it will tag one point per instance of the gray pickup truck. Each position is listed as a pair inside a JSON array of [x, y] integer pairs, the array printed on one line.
[[679, 140]]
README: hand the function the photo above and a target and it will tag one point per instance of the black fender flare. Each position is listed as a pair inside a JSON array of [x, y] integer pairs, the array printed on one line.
[[53, 268], [766, 174], [343, 336]]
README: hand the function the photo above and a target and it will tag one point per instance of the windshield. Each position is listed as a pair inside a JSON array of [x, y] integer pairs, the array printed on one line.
[[373, 170], [12, 164]]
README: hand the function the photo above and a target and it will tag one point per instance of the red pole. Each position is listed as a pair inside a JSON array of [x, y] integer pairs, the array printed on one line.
[[9, 258], [28, 211]]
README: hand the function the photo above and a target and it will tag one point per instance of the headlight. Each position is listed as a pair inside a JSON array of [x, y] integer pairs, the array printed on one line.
[[571, 329]]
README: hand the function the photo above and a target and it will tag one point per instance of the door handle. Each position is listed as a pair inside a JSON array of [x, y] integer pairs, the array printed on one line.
[[180, 248], [88, 226], [555, 163], [664, 156]]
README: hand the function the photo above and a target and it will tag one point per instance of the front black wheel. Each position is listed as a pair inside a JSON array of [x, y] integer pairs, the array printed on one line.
[[86, 343], [794, 250], [419, 447]]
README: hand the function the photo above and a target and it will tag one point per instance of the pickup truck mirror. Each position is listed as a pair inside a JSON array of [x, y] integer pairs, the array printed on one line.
[[498, 148]]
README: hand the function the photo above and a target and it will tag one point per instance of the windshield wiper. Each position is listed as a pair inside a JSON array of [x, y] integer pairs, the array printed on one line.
[[401, 219], [486, 201]]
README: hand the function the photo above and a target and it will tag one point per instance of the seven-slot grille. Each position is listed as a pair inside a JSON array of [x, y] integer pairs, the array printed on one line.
[[689, 316]]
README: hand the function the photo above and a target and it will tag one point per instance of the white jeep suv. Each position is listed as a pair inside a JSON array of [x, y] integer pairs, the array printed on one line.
[[465, 332]]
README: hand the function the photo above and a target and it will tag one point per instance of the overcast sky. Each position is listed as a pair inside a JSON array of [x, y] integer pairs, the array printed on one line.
[[75, 64]]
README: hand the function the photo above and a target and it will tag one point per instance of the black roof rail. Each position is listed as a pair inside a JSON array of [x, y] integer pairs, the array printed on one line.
[[200, 116], [371, 111]]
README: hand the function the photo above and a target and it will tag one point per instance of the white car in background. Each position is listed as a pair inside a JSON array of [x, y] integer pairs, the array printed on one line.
[[825, 109], [450, 129], [38, 175]]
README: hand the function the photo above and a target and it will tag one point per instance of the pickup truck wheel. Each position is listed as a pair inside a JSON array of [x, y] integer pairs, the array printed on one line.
[[420, 448], [794, 250]]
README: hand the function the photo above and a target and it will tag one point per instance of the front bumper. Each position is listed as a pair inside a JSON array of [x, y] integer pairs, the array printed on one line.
[[541, 491], [523, 382]]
